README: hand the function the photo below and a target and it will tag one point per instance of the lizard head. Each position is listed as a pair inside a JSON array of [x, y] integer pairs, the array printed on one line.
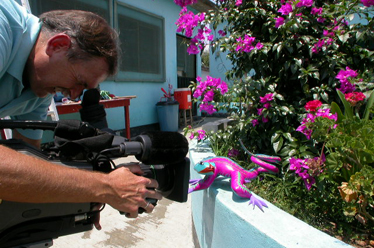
[[205, 168]]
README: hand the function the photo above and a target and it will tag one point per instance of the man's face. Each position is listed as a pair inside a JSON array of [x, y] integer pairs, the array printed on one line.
[[53, 72], [70, 79]]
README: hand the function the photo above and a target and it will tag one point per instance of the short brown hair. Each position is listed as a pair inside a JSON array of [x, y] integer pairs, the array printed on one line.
[[92, 34]]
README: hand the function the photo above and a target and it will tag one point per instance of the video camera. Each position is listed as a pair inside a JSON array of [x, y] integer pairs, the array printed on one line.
[[77, 144]]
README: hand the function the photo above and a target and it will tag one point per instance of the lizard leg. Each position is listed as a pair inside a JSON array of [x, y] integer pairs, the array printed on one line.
[[269, 167], [237, 185], [202, 184]]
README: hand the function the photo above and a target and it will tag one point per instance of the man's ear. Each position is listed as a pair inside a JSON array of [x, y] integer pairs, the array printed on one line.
[[57, 43]]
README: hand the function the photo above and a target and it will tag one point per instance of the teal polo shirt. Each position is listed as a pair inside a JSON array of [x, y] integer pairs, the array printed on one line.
[[18, 33]]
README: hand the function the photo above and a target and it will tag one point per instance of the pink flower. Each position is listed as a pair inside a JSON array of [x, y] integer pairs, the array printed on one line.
[[304, 3], [259, 46], [367, 3], [327, 33], [238, 2], [344, 75], [255, 122], [209, 95], [285, 9], [316, 11], [184, 3], [201, 134], [301, 168], [267, 105], [221, 32], [279, 22], [208, 108], [246, 44], [267, 98], [232, 153]]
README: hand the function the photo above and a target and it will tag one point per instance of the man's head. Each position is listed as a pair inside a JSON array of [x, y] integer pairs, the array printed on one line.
[[75, 50]]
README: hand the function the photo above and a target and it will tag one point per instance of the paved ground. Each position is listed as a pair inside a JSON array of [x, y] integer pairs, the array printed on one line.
[[170, 225]]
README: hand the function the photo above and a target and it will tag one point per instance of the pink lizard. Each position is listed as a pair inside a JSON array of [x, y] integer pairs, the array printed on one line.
[[223, 166]]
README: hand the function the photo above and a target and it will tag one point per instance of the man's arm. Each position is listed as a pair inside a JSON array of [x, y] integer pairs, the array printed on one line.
[[28, 179]]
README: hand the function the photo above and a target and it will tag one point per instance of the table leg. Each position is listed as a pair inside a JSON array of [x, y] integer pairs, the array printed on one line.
[[127, 122]]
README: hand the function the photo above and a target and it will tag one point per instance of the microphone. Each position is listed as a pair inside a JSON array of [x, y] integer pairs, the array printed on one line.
[[154, 147]]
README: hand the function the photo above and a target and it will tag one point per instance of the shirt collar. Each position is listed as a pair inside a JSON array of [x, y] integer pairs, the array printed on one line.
[[28, 40]]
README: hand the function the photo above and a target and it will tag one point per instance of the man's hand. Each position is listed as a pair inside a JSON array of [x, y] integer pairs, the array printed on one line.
[[128, 191]]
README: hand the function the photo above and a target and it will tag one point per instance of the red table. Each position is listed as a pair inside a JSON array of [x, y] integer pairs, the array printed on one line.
[[124, 102]]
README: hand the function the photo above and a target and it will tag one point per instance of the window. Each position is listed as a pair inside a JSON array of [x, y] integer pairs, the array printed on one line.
[[142, 43]]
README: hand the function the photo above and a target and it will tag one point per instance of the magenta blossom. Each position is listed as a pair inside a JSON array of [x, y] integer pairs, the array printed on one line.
[[201, 134], [310, 118], [267, 105], [367, 3], [207, 90], [246, 44], [304, 3], [267, 98], [285, 9], [344, 75], [221, 32], [316, 11], [279, 22], [255, 122], [209, 108], [184, 3], [302, 167], [233, 153]]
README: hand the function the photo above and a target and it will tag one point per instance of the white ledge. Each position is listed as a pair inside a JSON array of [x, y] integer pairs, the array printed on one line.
[[222, 219]]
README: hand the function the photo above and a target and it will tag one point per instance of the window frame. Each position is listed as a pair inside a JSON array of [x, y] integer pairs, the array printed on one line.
[[125, 76]]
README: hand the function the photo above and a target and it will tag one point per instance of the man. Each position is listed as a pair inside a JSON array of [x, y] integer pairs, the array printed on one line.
[[66, 51]]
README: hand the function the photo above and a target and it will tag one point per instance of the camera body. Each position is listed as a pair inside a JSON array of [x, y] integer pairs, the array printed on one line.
[[36, 225]]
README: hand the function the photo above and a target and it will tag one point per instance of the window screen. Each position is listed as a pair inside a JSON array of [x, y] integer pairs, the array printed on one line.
[[142, 43]]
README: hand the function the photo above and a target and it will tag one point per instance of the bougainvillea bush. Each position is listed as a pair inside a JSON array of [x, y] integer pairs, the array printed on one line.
[[301, 81]]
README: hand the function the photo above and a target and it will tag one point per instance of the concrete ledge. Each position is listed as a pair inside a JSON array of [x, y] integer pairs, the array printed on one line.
[[221, 219], [217, 125]]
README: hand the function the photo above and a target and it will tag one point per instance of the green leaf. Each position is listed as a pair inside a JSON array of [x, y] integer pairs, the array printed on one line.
[[368, 106], [336, 109], [275, 137], [278, 145], [347, 107]]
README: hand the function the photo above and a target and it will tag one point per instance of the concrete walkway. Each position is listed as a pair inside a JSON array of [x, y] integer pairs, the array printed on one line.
[[170, 225]]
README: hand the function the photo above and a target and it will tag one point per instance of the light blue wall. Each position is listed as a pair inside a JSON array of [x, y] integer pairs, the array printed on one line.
[[218, 64], [143, 107]]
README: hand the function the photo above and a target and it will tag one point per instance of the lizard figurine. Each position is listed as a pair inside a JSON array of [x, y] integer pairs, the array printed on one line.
[[222, 166]]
